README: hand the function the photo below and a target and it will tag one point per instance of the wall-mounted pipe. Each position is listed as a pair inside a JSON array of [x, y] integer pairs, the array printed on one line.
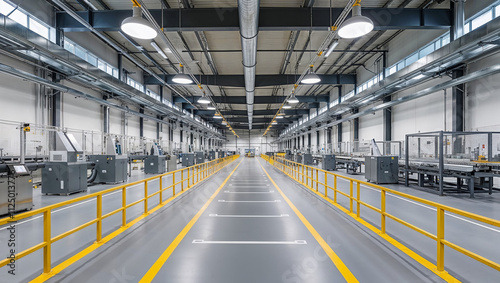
[[249, 30]]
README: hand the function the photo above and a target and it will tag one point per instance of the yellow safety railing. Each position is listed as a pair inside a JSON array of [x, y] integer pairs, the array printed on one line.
[[189, 177], [309, 177]]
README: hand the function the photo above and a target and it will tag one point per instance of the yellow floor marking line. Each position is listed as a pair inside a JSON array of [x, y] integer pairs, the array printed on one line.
[[65, 264], [348, 276], [150, 275], [427, 264]]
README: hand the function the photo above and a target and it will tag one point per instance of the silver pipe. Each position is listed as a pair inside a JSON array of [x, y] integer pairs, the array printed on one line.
[[249, 30]]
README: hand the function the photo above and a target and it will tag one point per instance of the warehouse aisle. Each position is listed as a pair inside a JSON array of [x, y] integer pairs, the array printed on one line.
[[241, 227]]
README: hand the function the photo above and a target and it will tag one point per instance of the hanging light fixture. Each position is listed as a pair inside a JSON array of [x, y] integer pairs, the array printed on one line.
[[217, 116], [211, 107], [204, 99], [280, 115], [182, 78], [311, 77], [293, 99], [287, 106], [357, 25], [138, 27], [274, 122]]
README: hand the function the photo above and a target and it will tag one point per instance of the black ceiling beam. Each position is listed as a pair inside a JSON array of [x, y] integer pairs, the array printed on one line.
[[275, 19], [288, 112], [257, 99], [257, 120], [260, 80]]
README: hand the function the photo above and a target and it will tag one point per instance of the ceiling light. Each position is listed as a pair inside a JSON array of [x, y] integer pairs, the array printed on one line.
[[311, 78], [203, 99], [224, 123], [287, 106], [293, 99], [331, 48], [217, 116], [357, 25], [274, 123], [279, 117], [182, 78], [138, 27], [158, 49], [211, 107]]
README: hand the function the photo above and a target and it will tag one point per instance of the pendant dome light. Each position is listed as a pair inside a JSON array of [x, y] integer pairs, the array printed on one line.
[[217, 116], [311, 77], [357, 25], [293, 99], [204, 99], [287, 106], [138, 27], [210, 107], [182, 78]]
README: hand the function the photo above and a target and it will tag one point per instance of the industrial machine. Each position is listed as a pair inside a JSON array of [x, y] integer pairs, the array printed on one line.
[[16, 187], [382, 169], [172, 163], [110, 167], [64, 173], [188, 159], [307, 159], [250, 152], [329, 162], [212, 155], [155, 162], [222, 154], [298, 158], [200, 157]]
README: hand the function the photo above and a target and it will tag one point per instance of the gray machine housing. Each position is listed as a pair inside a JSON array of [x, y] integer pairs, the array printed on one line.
[[155, 164], [329, 163], [188, 159], [298, 158], [212, 155], [64, 173], [110, 168], [17, 182], [382, 169], [200, 157], [172, 163], [307, 159]]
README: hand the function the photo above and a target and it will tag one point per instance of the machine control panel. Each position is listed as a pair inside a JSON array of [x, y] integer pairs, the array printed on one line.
[[19, 170]]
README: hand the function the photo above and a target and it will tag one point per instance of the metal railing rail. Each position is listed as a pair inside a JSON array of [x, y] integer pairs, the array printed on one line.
[[189, 177], [308, 176]]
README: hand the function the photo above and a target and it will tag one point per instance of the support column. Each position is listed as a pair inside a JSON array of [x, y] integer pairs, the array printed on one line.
[[141, 122], [120, 68], [339, 130], [457, 28], [458, 103], [356, 125], [387, 120], [158, 127], [105, 119], [56, 114]]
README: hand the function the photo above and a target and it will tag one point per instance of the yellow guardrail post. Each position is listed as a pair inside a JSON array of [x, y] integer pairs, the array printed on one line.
[[351, 196], [326, 184], [335, 188], [124, 206], [317, 179], [48, 242], [440, 238], [358, 205], [145, 197], [182, 180], [173, 184], [99, 219], [382, 211], [161, 190], [302, 174], [189, 177]]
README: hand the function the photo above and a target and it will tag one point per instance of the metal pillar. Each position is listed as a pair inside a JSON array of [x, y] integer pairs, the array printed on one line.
[[387, 121], [339, 130], [141, 122], [56, 103], [356, 125], [458, 102], [120, 68], [457, 28], [105, 119]]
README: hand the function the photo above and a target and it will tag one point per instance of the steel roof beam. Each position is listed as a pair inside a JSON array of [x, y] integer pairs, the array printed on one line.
[[275, 19], [258, 99]]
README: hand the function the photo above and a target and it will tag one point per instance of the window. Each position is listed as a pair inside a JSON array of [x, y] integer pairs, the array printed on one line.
[[411, 59], [5, 8], [19, 17], [69, 46], [101, 65], [392, 70], [497, 11], [466, 28], [445, 40], [481, 20], [91, 59], [39, 28], [401, 65], [426, 51], [81, 53]]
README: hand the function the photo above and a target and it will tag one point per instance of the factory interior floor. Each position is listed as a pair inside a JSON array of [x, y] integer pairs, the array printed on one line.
[[252, 223]]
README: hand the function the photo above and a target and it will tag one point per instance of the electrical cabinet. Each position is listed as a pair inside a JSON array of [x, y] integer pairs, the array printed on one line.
[[110, 168], [308, 159], [154, 164], [329, 163], [64, 178], [188, 159], [381, 169]]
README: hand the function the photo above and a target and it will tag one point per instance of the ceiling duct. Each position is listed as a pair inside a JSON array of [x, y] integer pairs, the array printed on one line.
[[249, 29]]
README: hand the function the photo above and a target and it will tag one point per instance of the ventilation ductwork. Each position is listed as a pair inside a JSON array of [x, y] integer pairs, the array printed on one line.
[[249, 29]]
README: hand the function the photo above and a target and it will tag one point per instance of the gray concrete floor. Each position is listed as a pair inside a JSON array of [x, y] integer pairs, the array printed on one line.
[[129, 256]]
